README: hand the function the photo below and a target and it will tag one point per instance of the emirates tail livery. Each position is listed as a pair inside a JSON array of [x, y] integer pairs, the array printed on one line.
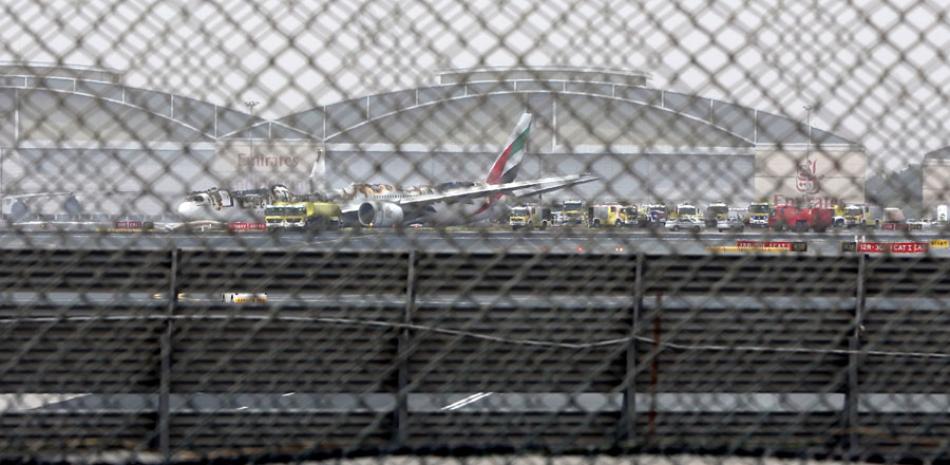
[[449, 203]]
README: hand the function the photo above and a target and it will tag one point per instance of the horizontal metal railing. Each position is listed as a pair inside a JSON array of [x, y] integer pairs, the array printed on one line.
[[397, 325]]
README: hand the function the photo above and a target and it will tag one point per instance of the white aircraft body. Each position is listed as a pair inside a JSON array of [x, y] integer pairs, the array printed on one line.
[[450, 203], [223, 205]]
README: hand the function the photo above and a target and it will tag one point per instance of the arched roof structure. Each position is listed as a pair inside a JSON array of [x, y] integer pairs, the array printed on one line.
[[69, 107], [575, 109]]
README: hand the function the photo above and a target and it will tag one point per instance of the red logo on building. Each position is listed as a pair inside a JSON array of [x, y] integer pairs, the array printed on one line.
[[806, 180]]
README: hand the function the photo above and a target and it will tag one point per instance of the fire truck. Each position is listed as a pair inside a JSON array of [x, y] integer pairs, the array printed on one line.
[[654, 215], [716, 212], [529, 216], [854, 215], [757, 216], [611, 214], [571, 212], [312, 216], [801, 219]]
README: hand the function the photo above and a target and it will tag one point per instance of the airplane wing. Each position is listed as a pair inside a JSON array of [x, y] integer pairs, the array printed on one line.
[[34, 195], [552, 187], [468, 193]]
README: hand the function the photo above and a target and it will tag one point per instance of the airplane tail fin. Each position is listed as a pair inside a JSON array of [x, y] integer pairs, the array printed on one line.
[[505, 167]]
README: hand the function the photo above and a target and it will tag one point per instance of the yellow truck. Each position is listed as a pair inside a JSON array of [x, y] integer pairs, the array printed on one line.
[[857, 215], [529, 216], [685, 211], [571, 212], [630, 215], [610, 214], [716, 212], [311, 216], [757, 215]]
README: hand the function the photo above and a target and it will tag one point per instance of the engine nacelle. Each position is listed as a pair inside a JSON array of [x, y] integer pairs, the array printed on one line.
[[72, 206], [379, 214], [18, 210]]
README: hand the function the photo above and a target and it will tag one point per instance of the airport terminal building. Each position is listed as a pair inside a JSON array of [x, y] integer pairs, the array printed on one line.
[[83, 131]]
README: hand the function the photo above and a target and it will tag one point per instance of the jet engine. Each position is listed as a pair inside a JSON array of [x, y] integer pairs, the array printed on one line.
[[18, 210], [379, 214], [72, 206]]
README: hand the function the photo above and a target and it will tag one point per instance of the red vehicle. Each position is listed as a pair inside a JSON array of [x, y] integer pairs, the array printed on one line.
[[801, 219]]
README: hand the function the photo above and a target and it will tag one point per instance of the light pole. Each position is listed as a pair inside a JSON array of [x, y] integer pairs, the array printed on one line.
[[250, 104], [808, 109]]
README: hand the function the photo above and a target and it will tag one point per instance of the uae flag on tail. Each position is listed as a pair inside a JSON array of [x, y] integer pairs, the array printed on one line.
[[505, 168]]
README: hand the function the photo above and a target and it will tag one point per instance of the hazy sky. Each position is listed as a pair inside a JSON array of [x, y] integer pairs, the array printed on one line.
[[877, 70]]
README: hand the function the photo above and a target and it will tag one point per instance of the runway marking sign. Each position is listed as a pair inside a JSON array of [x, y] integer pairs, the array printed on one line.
[[940, 244], [128, 225], [791, 246], [745, 249], [889, 247], [241, 226]]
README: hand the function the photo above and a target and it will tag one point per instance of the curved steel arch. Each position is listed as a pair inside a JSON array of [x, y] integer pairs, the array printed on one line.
[[518, 92], [265, 123], [122, 103]]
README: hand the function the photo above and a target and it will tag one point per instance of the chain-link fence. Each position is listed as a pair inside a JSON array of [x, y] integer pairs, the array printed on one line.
[[286, 231]]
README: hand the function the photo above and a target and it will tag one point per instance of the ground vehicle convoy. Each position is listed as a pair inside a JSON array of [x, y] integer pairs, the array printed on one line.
[[308, 215], [610, 214], [801, 219], [716, 212], [530, 216], [758, 215]]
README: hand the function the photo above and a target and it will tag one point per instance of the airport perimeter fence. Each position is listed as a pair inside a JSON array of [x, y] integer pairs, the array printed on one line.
[[285, 231]]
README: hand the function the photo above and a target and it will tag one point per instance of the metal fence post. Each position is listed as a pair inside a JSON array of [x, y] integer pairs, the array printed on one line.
[[401, 418], [164, 389], [629, 418], [854, 361]]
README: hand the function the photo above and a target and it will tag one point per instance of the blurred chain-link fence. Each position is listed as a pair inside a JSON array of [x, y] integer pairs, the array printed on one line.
[[281, 231]]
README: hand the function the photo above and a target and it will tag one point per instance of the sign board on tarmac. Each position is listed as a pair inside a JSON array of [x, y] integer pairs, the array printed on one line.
[[796, 246], [241, 226], [889, 247]]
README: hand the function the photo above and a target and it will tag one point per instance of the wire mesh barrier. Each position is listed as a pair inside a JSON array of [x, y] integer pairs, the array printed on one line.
[[514, 233], [677, 355]]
